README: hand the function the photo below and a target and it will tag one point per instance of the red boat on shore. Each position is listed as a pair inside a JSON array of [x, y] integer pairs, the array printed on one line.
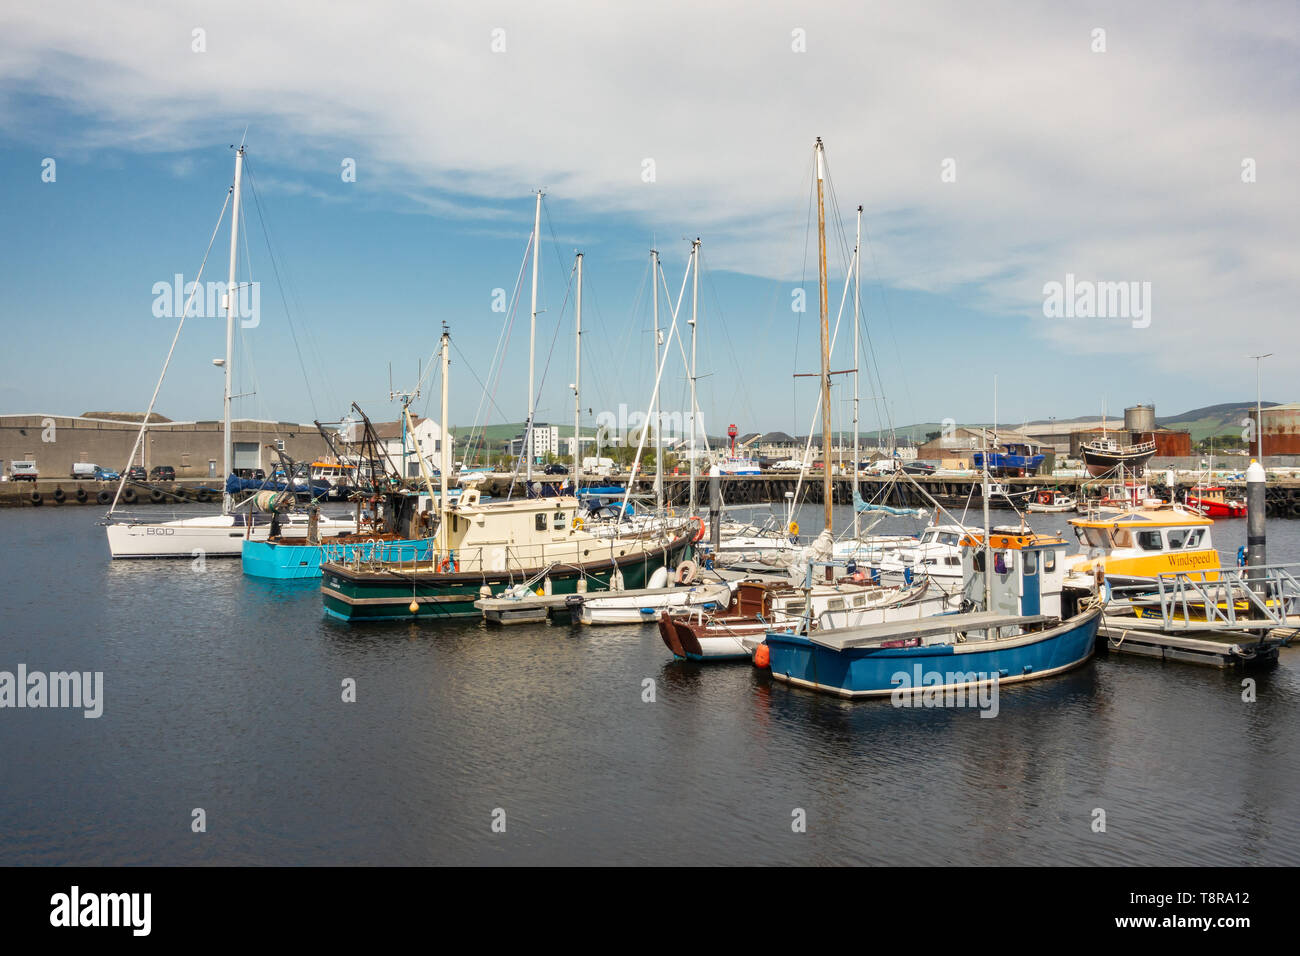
[[1213, 502]]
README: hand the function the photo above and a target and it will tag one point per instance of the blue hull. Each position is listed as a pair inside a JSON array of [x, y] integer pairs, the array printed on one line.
[[880, 671], [263, 559]]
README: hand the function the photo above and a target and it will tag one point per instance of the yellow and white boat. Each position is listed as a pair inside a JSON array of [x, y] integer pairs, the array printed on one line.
[[1133, 546]]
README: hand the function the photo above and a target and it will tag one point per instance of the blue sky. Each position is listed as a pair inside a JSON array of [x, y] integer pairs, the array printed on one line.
[[1117, 165]]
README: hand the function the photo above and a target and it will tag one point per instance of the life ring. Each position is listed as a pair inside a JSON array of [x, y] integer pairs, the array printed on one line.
[[103, 497], [699, 529], [156, 496], [59, 495], [794, 528], [577, 524], [449, 564], [35, 498], [82, 496], [129, 496], [687, 571]]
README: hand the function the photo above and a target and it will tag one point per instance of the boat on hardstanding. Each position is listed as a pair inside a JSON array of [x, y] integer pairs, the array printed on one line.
[[1106, 456]]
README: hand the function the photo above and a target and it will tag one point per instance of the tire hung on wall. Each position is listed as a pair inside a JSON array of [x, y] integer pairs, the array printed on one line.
[[156, 496], [103, 497], [82, 496], [35, 498], [60, 495], [128, 496]]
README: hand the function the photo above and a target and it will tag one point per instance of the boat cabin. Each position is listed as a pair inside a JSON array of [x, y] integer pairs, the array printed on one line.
[[1028, 571], [1139, 544]]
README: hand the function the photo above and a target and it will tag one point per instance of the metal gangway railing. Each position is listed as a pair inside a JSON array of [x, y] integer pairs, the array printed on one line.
[[1218, 599]]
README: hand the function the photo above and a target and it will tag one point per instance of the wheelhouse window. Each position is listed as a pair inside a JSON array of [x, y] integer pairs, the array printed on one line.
[[558, 523], [1194, 538], [1096, 537], [1178, 538], [1150, 541], [539, 522], [1049, 562], [1031, 562]]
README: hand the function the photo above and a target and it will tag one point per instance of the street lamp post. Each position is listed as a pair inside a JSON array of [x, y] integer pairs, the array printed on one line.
[[1259, 410]]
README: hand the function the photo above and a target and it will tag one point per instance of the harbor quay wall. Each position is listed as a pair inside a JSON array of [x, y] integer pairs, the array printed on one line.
[[194, 449]]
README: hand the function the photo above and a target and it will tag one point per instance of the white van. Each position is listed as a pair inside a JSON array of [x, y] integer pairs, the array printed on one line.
[[23, 470], [85, 470]]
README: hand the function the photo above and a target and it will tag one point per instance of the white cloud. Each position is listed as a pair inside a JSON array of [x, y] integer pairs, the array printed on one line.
[[1123, 165]]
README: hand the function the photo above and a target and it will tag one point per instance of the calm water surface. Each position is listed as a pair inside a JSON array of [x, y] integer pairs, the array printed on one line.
[[224, 692]]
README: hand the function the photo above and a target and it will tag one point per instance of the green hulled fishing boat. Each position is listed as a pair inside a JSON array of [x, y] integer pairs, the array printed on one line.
[[490, 547]]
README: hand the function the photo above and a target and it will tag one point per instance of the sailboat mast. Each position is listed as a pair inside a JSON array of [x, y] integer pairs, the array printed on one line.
[[232, 293], [695, 303], [825, 332], [657, 418], [577, 386], [857, 296], [444, 461], [532, 342]]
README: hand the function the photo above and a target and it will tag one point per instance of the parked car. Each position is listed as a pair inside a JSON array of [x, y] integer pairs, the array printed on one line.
[[555, 470], [136, 473], [106, 474], [162, 473], [23, 471]]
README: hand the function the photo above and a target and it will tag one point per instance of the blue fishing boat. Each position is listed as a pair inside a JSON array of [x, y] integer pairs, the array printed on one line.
[[1020, 631], [290, 559], [1015, 460]]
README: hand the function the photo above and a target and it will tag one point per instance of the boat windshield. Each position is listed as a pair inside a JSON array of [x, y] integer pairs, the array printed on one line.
[[1150, 541], [1096, 537]]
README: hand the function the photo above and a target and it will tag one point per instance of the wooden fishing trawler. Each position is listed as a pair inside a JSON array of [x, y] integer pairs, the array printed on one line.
[[484, 549], [1107, 456]]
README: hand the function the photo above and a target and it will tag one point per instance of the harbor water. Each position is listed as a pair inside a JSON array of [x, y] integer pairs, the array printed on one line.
[[558, 744]]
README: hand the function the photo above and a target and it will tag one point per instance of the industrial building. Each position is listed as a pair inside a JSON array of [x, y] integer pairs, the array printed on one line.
[[1281, 431], [194, 449]]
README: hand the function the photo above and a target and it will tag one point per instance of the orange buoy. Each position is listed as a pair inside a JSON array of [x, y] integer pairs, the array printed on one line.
[[762, 656]]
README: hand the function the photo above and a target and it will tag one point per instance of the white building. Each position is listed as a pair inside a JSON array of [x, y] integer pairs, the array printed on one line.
[[428, 437]]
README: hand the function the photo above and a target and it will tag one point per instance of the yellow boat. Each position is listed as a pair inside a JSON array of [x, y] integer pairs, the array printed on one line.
[[1133, 546]]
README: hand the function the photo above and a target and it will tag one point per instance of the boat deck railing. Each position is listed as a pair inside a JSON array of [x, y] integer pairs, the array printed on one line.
[[1219, 599]]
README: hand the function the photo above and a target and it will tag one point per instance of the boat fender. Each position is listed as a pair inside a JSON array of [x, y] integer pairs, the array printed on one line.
[[485, 592], [59, 495], [449, 564], [699, 529], [156, 496], [1241, 556], [35, 498], [129, 496], [81, 495], [762, 656], [686, 572], [103, 497]]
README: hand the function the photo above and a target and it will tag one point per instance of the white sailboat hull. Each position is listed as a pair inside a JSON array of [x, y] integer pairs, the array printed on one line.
[[214, 536]]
